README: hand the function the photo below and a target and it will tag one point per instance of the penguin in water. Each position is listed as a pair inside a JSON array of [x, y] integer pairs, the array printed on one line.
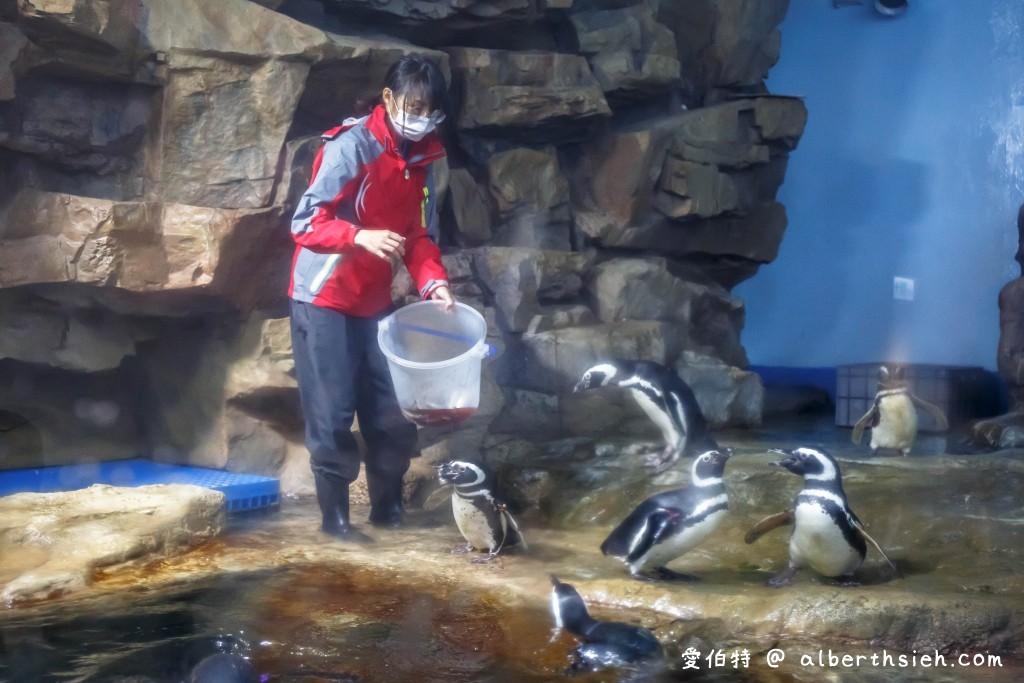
[[893, 415], [605, 643], [665, 398], [224, 667], [827, 536], [671, 523], [484, 521]]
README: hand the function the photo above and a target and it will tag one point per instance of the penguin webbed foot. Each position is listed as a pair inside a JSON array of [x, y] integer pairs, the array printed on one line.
[[783, 578], [847, 581], [486, 559], [663, 574], [666, 574], [464, 548]]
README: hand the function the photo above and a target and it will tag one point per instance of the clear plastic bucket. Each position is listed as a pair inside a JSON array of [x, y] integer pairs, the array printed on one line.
[[434, 356]]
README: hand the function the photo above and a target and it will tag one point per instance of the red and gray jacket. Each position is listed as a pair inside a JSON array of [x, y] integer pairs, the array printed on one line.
[[360, 180]]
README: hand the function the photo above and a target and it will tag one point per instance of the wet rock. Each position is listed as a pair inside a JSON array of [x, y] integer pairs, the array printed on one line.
[[998, 433], [51, 543]]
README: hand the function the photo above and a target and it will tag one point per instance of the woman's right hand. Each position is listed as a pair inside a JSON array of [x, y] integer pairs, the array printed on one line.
[[383, 243]]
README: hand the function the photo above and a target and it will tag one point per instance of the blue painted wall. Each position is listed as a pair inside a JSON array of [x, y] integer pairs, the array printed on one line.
[[912, 165]]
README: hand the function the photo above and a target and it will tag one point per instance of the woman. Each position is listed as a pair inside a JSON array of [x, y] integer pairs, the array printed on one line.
[[371, 201]]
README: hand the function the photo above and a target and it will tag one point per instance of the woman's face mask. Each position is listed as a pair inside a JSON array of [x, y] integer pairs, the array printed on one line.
[[411, 126]]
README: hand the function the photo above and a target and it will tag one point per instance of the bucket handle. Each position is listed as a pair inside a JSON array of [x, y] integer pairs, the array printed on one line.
[[461, 338]]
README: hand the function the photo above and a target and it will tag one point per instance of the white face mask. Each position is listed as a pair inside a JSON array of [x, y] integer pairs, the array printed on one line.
[[413, 127]]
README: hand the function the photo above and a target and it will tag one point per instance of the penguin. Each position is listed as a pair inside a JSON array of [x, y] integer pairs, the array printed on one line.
[[605, 643], [827, 535], [666, 399], [484, 521], [893, 417], [670, 523], [223, 667]]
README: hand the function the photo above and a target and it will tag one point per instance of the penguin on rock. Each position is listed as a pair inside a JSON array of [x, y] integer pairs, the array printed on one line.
[[893, 415], [483, 520], [666, 399], [606, 644], [827, 535], [671, 523]]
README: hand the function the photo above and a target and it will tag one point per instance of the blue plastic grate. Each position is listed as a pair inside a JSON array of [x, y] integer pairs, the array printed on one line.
[[242, 492]]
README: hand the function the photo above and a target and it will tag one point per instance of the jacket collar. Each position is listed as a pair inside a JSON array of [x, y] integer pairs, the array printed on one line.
[[423, 151]]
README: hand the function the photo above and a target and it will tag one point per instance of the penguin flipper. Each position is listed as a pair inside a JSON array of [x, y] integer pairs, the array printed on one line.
[[438, 497], [867, 537], [513, 536], [634, 530], [768, 523], [933, 410], [862, 423]]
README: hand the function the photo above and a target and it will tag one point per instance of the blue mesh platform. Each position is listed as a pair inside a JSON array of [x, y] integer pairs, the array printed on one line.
[[241, 491]]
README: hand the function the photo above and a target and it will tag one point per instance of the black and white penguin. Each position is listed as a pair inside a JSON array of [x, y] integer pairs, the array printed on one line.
[[484, 521], [893, 414], [605, 643], [671, 523], [665, 398], [827, 536]]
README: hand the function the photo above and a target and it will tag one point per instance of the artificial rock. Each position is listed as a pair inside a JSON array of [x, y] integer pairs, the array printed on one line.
[[155, 150]]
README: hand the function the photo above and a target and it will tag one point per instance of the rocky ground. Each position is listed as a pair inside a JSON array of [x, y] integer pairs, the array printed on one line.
[[953, 525]]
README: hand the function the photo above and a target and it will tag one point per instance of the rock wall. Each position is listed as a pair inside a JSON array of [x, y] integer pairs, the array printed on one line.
[[612, 173]]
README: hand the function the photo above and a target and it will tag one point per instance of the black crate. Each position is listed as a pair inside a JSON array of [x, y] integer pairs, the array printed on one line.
[[962, 393]]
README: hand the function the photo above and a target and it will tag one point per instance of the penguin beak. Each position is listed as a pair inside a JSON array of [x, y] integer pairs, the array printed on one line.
[[580, 386], [787, 460], [726, 452]]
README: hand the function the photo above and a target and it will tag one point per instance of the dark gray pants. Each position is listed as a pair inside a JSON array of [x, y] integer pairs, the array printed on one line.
[[342, 373]]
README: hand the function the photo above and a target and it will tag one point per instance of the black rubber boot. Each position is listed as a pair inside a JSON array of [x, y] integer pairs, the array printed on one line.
[[385, 499], [332, 495]]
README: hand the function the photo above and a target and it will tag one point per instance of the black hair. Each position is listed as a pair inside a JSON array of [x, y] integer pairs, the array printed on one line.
[[414, 73]]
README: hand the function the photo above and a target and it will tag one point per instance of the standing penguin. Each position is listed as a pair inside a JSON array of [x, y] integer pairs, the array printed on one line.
[[484, 521], [671, 523], [893, 417], [827, 536], [605, 643], [665, 398]]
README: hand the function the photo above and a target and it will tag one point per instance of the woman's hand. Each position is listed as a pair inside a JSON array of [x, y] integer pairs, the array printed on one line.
[[444, 295], [383, 243]]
